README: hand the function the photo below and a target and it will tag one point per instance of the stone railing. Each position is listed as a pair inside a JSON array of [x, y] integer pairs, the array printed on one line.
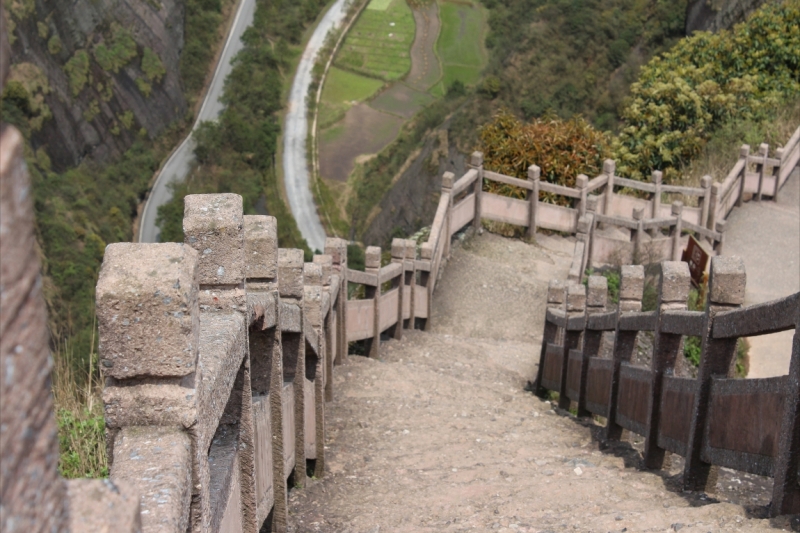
[[752, 425]]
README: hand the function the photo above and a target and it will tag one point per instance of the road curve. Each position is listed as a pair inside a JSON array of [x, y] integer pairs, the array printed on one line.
[[180, 162], [295, 165]]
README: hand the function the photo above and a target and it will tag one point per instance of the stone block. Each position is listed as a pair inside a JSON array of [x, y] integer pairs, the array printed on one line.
[[260, 247], [448, 179], [705, 181], [476, 159], [657, 176], [147, 310], [373, 257], [291, 317], [426, 251], [638, 213], [157, 463], [213, 225], [597, 294], [609, 167], [727, 280], [290, 272], [222, 299], [675, 281], [631, 286], [630, 306], [677, 207], [411, 249], [534, 173], [583, 224], [556, 293], [398, 248], [312, 274], [576, 297], [325, 262], [103, 505], [337, 249], [582, 181], [312, 305]]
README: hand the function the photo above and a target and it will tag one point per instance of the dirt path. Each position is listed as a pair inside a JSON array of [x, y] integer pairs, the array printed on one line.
[[439, 435], [425, 68]]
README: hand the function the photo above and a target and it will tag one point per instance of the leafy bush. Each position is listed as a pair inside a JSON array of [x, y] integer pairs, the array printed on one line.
[[561, 148], [77, 68], [117, 51], [152, 66], [704, 82]]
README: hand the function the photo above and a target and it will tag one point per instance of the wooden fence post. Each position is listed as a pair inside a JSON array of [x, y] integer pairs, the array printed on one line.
[[677, 211], [534, 174], [631, 290], [372, 265], [744, 151], [763, 152], [673, 292], [726, 286], [596, 300], [609, 167], [705, 183], [399, 256], [785, 490], [581, 183], [556, 296], [476, 163], [576, 306]]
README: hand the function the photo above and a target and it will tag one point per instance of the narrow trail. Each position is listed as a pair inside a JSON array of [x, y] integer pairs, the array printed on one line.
[[439, 434]]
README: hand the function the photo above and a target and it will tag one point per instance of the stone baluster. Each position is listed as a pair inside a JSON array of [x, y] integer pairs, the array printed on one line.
[[657, 177], [476, 163], [638, 235], [581, 183], [534, 175], [411, 281], [744, 153], [609, 168], [329, 331], [398, 256], [776, 173], [337, 249], [448, 179], [675, 231], [705, 183], [313, 309], [763, 153], [372, 265]]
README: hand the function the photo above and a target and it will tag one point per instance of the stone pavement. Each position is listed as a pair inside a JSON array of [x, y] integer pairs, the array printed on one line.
[[766, 235]]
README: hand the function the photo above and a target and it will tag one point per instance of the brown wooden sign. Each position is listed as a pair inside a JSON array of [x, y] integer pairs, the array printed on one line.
[[697, 257]]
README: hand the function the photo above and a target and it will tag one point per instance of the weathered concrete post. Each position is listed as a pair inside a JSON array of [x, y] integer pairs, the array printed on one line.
[[675, 231], [705, 183], [576, 306], [638, 236], [399, 257], [657, 178], [631, 290], [673, 293], [720, 227], [596, 300], [33, 496], [776, 173], [315, 364], [726, 287], [326, 264], [534, 174], [426, 279], [744, 152], [713, 206], [763, 152], [337, 249], [581, 183], [786, 489], [411, 281], [591, 211], [448, 179], [290, 284], [609, 168], [476, 163], [266, 365], [556, 299], [373, 266]]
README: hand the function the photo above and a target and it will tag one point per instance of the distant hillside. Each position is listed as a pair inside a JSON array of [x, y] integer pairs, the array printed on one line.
[[715, 15]]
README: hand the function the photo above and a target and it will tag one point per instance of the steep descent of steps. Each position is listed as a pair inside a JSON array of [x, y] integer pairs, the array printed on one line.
[[439, 435]]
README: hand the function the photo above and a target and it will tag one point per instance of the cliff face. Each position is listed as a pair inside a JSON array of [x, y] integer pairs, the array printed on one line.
[[715, 15], [96, 73]]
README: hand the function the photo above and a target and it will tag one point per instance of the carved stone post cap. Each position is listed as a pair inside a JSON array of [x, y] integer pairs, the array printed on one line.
[[597, 294], [426, 251], [744, 150], [143, 289], [555, 292], [576, 297], [337, 249], [326, 264], [290, 272], [638, 213], [631, 284], [720, 226], [534, 173], [582, 181], [213, 225], [411, 249], [677, 207], [373, 257], [476, 159], [657, 176], [448, 178], [398, 248], [584, 224], [705, 181], [763, 149], [609, 167], [312, 274], [260, 246], [727, 280], [675, 282]]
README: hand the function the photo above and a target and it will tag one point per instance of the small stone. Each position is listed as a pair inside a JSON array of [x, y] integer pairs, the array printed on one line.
[[578, 470]]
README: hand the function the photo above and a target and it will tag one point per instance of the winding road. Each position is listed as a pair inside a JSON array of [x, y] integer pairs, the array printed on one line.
[[296, 179]]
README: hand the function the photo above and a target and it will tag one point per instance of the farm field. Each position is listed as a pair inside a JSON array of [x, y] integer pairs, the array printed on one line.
[[460, 45], [343, 89]]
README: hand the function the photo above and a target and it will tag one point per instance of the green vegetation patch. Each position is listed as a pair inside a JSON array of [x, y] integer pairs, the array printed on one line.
[[116, 52], [344, 86], [152, 66], [77, 68], [460, 46], [379, 5], [379, 43]]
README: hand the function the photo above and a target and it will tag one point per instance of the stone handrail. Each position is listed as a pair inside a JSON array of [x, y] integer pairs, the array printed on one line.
[[750, 425]]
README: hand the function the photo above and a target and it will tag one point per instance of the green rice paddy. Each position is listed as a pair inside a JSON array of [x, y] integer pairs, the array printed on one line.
[[460, 45]]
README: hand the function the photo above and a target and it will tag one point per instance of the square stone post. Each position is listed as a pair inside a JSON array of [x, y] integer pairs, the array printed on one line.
[[312, 310], [657, 178], [556, 299], [426, 280], [372, 265], [591, 210], [763, 152], [744, 152], [638, 235], [411, 281], [721, 230], [476, 163], [290, 284], [596, 300], [399, 257], [673, 293], [705, 183], [776, 173], [337, 249], [726, 286], [581, 183], [326, 264], [631, 290], [609, 167], [448, 179], [713, 205], [677, 212], [534, 175], [576, 306]]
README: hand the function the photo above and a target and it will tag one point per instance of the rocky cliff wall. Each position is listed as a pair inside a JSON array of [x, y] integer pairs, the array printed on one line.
[[96, 73], [715, 15]]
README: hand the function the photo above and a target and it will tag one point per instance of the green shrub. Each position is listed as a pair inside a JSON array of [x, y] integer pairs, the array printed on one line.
[[54, 45], [152, 66], [117, 51], [77, 69]]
